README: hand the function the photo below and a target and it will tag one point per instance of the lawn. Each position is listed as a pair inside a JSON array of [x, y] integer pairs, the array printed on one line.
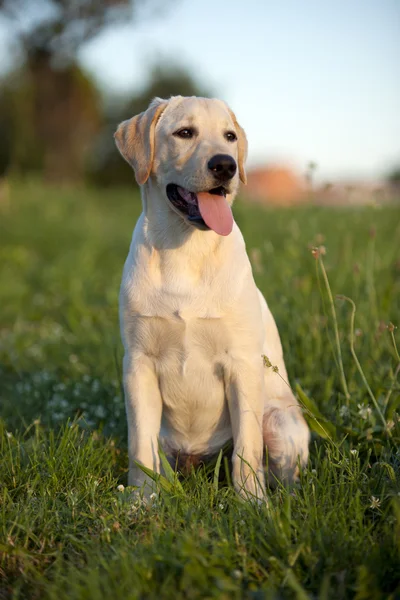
[[68, 527]]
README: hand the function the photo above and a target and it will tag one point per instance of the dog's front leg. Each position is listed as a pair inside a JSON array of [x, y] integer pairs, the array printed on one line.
[[143, 408], [245, 399]]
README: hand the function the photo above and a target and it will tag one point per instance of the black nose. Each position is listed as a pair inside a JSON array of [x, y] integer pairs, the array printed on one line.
[[223, 166]]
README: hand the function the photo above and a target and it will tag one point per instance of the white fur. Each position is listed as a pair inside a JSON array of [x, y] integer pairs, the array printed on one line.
[[195, 327]]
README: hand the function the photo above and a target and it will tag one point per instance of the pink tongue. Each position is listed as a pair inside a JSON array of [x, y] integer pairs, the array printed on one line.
[[216, 212]]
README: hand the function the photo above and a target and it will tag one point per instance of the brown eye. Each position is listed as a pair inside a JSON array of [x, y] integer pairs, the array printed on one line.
[[185, 133], [231, 136]]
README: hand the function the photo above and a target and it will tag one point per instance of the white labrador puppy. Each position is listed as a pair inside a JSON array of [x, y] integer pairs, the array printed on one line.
[[194, 325]]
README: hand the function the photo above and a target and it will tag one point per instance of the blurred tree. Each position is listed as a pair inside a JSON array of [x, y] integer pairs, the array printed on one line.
[[106, 166], [393, 176], [165, 81], [63, 101], [6, 131]]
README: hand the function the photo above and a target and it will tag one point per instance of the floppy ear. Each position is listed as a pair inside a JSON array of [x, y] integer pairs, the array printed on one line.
[[135, 139], [242, 148]]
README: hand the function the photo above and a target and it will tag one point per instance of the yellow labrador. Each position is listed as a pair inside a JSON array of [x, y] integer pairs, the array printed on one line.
[[194, 325]]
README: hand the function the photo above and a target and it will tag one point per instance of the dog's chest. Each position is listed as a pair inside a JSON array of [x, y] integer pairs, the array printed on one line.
[[190, 359], [177, 344]]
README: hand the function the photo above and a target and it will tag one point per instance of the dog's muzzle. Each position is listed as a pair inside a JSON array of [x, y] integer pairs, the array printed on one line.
[[186, 203]]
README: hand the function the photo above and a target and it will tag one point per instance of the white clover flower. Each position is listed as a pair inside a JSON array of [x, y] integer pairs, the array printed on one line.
[[364, 411], [100, 412], [96, 385], [375, 502], [236, 574], [120, 487]]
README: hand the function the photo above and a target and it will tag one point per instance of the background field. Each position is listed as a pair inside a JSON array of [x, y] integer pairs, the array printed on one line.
[[65, 529]]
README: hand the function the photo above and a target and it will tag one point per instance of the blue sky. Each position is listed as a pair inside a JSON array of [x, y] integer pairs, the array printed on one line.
[[308, 79]]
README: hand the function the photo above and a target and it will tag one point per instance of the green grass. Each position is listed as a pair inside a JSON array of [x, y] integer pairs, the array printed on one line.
[[65, 529]]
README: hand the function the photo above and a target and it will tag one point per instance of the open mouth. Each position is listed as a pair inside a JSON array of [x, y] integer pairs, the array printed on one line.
[[204, 210]]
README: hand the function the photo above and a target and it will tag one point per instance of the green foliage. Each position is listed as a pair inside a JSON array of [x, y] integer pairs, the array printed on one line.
[[49, 108], [394, 176], [68, 529]]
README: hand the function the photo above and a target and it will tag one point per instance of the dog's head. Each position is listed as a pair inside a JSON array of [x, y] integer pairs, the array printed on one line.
[[196, 151]]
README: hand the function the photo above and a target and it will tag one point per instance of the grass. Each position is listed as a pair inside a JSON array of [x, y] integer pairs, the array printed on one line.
[[66, 531]]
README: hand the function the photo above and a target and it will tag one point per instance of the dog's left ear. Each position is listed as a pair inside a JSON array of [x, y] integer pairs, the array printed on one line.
[[135, 139], [242, 148]]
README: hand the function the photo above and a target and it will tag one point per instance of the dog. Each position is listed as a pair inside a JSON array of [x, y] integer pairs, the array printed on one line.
[[194, 325]]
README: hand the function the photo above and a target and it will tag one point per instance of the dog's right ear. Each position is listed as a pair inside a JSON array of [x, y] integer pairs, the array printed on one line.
[[135, 139]]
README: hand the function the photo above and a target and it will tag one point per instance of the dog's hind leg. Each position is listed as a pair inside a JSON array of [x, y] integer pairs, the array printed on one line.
[[286, 438], [285, 432]]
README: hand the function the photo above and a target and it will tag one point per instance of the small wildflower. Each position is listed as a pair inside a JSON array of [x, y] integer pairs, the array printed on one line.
[[364, 411], [221, 506], [9, 434], [120, 487], [100, 412], [153, 496], [314, 471], [354, 452], [375, 502], [96, 385], [236, 574], [391, 327], [344, 411], [318, 251]]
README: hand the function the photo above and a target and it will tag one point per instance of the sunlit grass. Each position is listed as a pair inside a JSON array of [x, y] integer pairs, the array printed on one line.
[[68, 525]]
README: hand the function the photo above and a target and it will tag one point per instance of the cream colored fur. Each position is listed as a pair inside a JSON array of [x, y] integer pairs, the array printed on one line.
[[194, 325]]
